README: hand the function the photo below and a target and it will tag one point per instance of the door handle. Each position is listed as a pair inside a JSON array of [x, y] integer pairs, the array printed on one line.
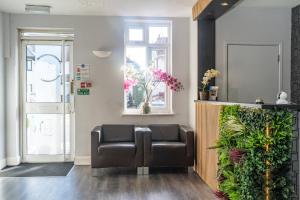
[[72, 87]]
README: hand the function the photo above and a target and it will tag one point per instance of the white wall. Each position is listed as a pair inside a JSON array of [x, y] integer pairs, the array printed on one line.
[[2, 95], [105, 103], [254, 25]]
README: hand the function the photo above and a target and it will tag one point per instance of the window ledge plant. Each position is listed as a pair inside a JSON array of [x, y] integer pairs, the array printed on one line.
[[149, 79]]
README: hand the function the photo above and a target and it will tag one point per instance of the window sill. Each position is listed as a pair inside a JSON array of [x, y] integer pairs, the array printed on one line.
[[150, 114]]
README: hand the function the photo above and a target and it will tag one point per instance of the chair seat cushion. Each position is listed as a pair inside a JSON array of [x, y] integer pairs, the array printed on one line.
[[168, 154], [117, 146], [116, 154], [168, 145]]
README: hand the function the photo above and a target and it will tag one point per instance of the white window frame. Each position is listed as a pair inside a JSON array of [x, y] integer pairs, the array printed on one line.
[[145, 24]]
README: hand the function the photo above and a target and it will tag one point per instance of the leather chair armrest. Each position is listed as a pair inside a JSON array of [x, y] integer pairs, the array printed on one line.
[[147, 139], [95, 142], [139, 142], [139, 136], [147, 146], [96, 138], [187, 137], [96, 134]]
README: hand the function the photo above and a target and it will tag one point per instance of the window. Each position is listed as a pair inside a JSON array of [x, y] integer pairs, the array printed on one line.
[[148, 46]]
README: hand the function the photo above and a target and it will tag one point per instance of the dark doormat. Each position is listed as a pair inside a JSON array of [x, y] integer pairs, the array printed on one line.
[[37, 169]]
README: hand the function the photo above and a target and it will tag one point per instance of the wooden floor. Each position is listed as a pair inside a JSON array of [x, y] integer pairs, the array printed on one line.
[[81, 185]]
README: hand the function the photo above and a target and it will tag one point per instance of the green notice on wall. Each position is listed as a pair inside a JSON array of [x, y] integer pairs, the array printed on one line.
[[83, 91]]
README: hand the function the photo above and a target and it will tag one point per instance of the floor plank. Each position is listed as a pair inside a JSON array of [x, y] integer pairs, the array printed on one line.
[[81, 185]]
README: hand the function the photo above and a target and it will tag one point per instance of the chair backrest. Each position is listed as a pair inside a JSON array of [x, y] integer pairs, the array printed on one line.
[[165, 132], [117, 133]]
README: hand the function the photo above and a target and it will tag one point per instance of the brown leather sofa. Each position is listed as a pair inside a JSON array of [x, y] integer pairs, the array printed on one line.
[[168, 145], [117, 146]]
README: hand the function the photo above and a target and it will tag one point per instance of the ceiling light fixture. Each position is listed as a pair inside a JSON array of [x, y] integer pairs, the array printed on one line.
[[92, 3], [224, 4], [102, 54], [37, 9]]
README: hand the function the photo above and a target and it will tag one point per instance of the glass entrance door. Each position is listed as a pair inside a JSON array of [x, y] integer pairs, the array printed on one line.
[[47, 101]]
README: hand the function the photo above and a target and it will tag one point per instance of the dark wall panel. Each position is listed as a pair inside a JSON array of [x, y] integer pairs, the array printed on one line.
[[206, 47], [295, 67], [295, 94]]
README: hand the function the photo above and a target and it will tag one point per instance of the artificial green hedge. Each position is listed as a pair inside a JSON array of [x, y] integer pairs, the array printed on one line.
[[242, 155]]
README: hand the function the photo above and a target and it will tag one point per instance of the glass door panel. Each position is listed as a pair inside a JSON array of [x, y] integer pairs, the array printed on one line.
[[45, 134], [44, 73]]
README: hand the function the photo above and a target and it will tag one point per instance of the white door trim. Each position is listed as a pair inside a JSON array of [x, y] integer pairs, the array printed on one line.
[[57, 108]]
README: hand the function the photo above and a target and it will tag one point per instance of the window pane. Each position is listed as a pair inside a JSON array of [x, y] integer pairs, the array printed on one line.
[[158, 35], [159, 58], [136, 57], [159, 61], [136, 34], [135, 97], [159, 96], [43, 77]]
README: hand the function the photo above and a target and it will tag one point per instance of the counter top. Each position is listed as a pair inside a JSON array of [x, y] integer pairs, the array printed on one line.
[[252, 105]]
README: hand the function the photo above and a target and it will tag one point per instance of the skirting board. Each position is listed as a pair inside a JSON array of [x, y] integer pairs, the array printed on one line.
[[13, 161], [82, 160], [2, 163]]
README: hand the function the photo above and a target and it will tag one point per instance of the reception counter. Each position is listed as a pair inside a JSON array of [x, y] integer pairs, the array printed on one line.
[[208, 117], [207, 133]]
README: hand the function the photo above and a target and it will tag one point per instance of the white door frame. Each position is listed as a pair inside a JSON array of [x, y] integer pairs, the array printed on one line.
[[226, 47], [61, 108]]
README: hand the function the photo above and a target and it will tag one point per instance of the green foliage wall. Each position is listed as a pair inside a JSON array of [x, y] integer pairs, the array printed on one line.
[[242, 155]]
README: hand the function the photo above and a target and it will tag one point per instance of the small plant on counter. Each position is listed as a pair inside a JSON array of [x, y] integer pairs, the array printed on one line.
[[208, 76]]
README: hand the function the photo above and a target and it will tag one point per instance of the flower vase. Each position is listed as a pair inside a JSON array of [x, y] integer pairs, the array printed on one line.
[[146, 108], [203, 95]]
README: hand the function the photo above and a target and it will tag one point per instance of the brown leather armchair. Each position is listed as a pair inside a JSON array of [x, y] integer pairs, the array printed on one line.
[[168, 145], [116, 146]]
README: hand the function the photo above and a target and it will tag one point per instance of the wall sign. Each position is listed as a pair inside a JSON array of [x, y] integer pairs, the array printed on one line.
[[83, 91], [83, 79], [85, 84], [82, 72]]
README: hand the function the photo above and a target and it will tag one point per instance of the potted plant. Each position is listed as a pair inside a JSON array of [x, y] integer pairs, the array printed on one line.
[[208, 76], [148, 79]]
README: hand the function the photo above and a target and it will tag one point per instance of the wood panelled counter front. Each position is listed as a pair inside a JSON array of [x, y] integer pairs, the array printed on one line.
[[207, 133]]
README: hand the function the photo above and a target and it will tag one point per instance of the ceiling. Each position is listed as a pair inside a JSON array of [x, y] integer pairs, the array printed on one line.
[[157, 8], [163, 8], [269, 3]]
